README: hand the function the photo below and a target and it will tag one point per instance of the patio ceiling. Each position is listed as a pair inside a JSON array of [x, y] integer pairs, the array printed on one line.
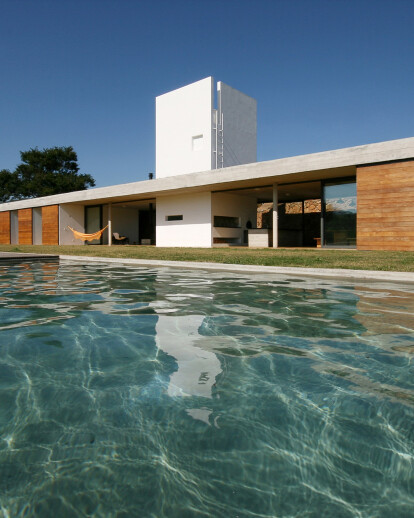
[[286, 192]]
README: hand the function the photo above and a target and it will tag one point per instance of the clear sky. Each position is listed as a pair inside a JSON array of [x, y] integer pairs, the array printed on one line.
[[84, 73]]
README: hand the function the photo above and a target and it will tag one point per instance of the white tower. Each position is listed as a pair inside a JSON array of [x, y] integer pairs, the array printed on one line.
[[191, 135]]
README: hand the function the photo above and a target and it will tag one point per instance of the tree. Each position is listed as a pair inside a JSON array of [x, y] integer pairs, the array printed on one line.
[[42, 173], [8, 186]]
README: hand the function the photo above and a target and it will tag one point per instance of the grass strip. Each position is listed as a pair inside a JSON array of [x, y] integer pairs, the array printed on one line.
[[380, 260]]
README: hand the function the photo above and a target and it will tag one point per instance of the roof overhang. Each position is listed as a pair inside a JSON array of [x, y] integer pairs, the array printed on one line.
[[316, 166]]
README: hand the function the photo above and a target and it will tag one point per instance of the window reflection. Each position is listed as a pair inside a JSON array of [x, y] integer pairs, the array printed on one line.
[[340, 214]]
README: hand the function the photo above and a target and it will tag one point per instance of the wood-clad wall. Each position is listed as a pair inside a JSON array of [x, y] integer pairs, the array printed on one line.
[[385, 207], [5, 228], [25, 218], [50, 225]]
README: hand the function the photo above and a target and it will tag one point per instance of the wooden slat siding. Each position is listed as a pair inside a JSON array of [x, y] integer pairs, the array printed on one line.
[[385, 207], [5, 228], [25, 218], [50, 225]]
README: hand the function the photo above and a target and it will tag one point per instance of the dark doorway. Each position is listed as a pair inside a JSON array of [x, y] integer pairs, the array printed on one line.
[[93, 222], [300, 214], [299, 223], [147, 225]]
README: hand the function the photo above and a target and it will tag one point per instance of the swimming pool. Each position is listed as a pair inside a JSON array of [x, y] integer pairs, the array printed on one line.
[[168, 393]]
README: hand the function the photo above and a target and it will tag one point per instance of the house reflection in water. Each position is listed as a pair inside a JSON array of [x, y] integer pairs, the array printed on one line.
[[197, 368]]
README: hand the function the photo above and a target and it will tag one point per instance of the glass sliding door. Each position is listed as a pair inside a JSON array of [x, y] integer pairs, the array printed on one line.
[[93, 222], [340, 209]]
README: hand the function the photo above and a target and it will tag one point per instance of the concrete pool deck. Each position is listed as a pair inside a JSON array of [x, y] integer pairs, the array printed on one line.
[[16, 257], [248, 268], [332, 273]]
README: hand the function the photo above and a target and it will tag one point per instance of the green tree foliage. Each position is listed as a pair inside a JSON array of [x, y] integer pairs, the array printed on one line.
[[42, 173], [8, 185]]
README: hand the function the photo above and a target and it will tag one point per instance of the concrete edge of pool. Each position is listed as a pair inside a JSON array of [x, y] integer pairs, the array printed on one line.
[[18, 257], [247, 268], [334, 273]]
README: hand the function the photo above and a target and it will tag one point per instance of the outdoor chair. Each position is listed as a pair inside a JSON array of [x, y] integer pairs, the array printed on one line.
[[119, 240]]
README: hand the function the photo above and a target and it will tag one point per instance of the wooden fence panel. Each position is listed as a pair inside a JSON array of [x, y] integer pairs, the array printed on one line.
[[5, 228], [50, 225], [385, 206], [25, 218]]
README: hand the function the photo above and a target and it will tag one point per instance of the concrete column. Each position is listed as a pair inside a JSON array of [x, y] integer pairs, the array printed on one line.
[[275, 216], [110, 224]]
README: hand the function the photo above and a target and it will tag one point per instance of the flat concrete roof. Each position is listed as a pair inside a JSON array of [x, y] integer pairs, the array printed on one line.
[[315, 166]]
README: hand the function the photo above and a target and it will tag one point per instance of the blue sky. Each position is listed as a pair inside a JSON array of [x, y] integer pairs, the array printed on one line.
[[84, 73]]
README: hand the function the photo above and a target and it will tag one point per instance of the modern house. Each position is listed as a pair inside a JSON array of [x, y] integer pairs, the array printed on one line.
[[209, 188]]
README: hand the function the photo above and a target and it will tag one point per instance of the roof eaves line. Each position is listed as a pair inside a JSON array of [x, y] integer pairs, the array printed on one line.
[[345, 157]]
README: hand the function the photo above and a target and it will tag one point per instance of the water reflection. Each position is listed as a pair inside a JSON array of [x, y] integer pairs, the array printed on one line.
[[155, 392], [197, 368]]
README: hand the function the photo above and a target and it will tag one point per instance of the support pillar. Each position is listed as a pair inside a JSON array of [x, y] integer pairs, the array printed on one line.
[[275, 217], [109, 224]]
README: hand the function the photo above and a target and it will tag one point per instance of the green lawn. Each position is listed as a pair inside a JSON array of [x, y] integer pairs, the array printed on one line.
[[308, 258]]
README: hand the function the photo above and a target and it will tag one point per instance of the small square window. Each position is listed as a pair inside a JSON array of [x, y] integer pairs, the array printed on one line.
[[197, 142]]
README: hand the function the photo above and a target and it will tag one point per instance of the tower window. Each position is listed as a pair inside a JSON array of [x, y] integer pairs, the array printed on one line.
[[197, 142]]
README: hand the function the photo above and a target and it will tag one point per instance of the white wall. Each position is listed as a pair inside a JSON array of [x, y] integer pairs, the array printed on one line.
[[233, 205], [73, 216], [239, 125], [194, 229], [125, 222], [37, 225], [14, 227], [187, 113], [104, 223], [181, 115]]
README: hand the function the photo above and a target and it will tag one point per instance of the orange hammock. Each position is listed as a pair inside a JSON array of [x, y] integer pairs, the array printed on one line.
[[88, 237]]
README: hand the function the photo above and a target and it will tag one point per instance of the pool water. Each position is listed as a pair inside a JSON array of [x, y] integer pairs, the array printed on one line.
[[143, 392]]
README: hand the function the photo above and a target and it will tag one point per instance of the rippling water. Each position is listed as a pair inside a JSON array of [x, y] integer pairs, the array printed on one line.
[[137, 392]]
